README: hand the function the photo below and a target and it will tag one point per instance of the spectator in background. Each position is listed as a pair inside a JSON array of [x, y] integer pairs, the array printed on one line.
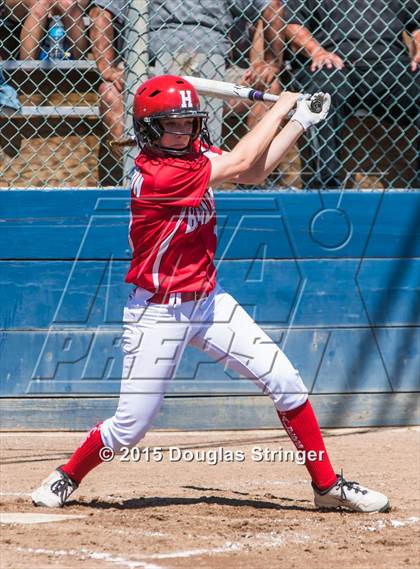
[[256, 55], [192, 38], [34, 16], [354, 51], [106, 34], [107, 20]]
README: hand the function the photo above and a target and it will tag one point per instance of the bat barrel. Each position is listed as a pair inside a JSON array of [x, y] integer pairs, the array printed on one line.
[[225, 90]]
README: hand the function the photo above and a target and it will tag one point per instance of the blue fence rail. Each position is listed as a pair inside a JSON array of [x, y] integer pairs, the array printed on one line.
[[332, 277]]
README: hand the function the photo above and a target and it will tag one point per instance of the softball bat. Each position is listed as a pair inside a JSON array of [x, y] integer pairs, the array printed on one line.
[[225, 90]]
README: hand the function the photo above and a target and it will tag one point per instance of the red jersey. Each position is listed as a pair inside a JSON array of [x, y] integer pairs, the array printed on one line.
[[173, 223]]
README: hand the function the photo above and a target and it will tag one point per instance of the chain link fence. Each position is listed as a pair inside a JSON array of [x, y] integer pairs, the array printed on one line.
[[69, 69]]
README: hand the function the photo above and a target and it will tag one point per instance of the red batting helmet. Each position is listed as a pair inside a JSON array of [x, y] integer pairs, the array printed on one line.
[[162, 97]]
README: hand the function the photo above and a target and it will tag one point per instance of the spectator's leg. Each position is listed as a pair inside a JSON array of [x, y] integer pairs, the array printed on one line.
[[397, 91], [111, 102], [71, 12], [258, 110], [235, 111], [33, 28], [252, 112], [111, 106], [321, 162], [102, 38], [285, 173]]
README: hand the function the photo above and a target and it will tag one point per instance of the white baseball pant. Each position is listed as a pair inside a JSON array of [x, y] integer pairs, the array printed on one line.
[[154, 339]]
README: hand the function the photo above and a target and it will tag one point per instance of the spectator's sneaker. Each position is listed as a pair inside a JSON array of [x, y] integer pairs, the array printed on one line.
[[352, 496], [54, 490]]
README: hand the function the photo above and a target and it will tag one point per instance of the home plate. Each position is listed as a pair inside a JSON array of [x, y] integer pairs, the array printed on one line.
[[35, 518]]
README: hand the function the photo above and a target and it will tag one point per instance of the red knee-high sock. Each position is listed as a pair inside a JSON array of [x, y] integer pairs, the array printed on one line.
[[302, 427], [86, 457]]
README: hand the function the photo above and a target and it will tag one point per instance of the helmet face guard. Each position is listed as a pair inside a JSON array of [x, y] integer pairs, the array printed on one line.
[[150, 130], [167, 96]]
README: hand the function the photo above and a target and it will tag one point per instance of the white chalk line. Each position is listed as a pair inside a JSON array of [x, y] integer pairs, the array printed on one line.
[[278, 482], [408, 521], [96, 555], [271, 539], [144, 533], [227, 547], [260, 540], [382, 524]]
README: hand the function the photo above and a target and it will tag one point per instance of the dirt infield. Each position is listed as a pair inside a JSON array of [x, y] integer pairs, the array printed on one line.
[[246, 513]]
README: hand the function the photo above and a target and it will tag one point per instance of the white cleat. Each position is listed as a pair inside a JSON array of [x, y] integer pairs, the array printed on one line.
[[54, 490], [352, 496]]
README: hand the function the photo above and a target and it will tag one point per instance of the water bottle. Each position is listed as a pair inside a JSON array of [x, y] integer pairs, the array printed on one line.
[[56, 37]]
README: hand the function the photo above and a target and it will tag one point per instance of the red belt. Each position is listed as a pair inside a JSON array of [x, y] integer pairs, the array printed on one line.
[[164, 297]]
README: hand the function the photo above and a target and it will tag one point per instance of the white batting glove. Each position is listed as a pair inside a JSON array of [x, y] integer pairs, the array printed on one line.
[[307, 117]]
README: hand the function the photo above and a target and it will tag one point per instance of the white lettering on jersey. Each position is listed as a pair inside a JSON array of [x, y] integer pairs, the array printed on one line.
[[186, 99], [136, 183], [202, 214]]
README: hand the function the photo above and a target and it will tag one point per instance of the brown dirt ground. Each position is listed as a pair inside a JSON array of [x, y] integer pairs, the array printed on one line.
[[249, 514]]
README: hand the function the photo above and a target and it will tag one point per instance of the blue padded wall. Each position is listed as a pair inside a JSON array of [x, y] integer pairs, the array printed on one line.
[[332, 277]]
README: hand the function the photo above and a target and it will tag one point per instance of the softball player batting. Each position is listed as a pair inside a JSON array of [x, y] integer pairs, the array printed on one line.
[[177, 301]]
